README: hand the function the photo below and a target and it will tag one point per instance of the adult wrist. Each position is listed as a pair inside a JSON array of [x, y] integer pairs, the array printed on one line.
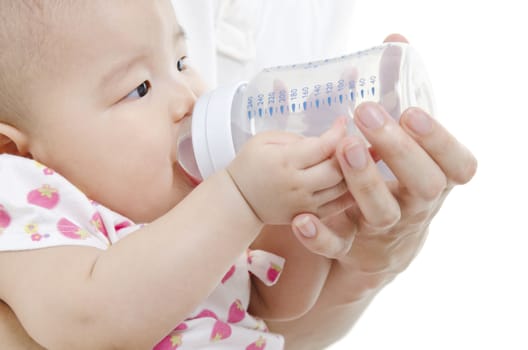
[[356, 285]]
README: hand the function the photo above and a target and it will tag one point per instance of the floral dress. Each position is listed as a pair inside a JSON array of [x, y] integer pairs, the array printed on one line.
[[40, 209]]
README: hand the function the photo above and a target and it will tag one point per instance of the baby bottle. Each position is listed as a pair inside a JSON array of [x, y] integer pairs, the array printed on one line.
[[301, 98]]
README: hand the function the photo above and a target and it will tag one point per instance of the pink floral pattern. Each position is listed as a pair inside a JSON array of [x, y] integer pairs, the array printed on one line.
[[5, 218], [45, 196]]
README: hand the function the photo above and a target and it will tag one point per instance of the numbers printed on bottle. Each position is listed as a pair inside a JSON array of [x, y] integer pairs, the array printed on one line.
[[298, 98], [282, 96], [329, 88], [317, 90], [293, 94], [271, 98], [305, 92], [341, 85]]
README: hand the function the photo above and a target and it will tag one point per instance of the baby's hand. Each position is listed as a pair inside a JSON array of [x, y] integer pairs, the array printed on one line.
[[283, 174]]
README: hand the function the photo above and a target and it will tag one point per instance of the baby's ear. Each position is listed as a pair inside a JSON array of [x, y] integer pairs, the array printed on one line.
[[13, 141]]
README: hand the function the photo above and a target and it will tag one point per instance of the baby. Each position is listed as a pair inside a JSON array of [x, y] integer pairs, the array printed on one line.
[[92, 96]]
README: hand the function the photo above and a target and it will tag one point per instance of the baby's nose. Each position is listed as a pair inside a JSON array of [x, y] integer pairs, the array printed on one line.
[[182, 100]]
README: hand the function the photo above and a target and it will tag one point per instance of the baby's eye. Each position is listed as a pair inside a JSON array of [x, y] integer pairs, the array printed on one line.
[[139, 91], [182, 63]]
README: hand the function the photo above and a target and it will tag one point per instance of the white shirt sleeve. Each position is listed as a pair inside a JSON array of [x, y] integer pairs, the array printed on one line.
[[230, 40], [197, 17]]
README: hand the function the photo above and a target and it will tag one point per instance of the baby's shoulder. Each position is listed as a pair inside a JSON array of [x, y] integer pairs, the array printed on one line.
[[40, 208], [16, 171]]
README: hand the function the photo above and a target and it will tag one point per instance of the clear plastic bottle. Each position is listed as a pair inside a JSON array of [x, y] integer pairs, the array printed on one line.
[[302, 98]]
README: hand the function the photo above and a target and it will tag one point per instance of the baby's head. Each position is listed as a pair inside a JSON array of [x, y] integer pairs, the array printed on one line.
[[22, 39], [97, 91]]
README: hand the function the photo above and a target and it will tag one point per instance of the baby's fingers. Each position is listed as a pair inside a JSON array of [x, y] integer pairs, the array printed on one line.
[[337, 205], [329, 194], [323, 175], [314, 150]]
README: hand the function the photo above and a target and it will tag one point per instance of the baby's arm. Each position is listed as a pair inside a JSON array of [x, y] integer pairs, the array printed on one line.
[[137, 291]]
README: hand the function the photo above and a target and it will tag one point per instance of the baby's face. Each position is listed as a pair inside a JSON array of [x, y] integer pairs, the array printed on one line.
[[110, 118]]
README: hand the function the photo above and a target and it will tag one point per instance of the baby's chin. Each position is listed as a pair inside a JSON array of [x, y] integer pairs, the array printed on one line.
[[145, 215], [148, 210]]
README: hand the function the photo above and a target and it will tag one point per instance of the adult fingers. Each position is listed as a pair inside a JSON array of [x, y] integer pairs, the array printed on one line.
[[395, 37], [321, 240], [377, 204], [410, 163], [455, 160]]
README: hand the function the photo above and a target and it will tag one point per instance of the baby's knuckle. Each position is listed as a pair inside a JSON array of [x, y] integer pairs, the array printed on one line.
[[342, 203], [303, 200], [325, 149]]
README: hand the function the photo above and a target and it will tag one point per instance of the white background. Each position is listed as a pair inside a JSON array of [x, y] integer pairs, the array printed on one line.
[[468, 288]]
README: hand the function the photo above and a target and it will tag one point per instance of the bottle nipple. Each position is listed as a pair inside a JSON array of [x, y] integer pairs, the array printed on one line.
[[186, 157]]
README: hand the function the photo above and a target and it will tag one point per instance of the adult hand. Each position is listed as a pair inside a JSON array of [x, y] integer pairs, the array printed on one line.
[[382, 232]]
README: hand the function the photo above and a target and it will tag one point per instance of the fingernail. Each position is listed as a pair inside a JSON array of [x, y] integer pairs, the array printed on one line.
[[356, 156], [371, 116], [419, 122], [306, 227]]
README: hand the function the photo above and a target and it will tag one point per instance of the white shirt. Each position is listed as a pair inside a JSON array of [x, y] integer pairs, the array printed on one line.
[[230, 40]]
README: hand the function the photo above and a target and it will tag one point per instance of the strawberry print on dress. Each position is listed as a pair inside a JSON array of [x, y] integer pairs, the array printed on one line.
[[70, 230], [97, 222], [174, 340], [5, 219], [273, 272], [228, 274], [221, 330], [237, 312], [45, 196], [260, 344]]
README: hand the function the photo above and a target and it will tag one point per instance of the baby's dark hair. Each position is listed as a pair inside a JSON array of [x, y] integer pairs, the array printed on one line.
[[25, 51]]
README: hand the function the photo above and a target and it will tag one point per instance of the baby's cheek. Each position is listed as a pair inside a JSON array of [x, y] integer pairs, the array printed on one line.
[[154, 196]]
